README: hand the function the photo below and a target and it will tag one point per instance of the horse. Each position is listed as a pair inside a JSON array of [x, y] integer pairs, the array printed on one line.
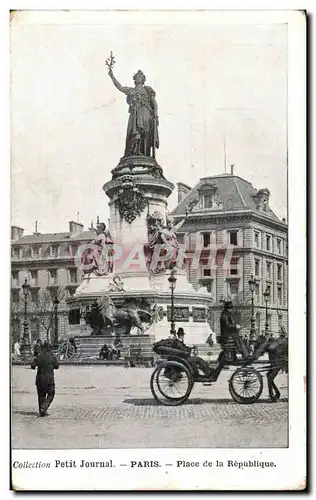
[[277, 350], [111, 316]]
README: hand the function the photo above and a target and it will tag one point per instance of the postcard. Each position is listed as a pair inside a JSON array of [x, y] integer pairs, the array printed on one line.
[[157, 250]]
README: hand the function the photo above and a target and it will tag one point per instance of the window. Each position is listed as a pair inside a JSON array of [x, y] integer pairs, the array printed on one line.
[[257, 267], [258, 323], [53, 277], [208, 201], [54, 251], [16, 253], [206, 239], [279, 246], [268, 243], [234, 266], [206, 272], [233, 289], [268, 289], [269, 268], [35, 252], [73, 275], [257, 293], [34, 327], [15, 278], [233, 237], [34, 278], [180, 238], [257, 239], [280, 301], [34, 296], [15, 297], [270, 322], [279, 272]]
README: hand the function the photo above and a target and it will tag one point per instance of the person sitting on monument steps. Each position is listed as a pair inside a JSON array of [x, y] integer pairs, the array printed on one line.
[[230, 329], [196, 361], [46, 363]]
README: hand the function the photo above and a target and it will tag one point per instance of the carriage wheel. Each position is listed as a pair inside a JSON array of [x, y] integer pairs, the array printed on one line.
[[171, 383], [245, 385]]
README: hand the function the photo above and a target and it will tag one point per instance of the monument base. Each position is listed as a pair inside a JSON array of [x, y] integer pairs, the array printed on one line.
[[149, 295]]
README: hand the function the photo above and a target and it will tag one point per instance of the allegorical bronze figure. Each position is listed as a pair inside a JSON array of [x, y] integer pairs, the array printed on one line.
[[142, 129]]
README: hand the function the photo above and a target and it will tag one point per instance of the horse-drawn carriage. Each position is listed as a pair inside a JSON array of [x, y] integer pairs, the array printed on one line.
[[174, 377]]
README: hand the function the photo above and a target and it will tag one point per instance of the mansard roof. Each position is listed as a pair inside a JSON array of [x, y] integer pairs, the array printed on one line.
[[36, 239], [234, 194]]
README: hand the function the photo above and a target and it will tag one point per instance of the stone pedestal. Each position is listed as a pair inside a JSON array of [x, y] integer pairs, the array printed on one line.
[[139, 192]]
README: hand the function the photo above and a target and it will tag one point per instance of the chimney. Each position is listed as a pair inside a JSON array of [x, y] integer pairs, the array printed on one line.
[[232, 169], [16, 232], [36, 229], [183, 190], [75, 227]]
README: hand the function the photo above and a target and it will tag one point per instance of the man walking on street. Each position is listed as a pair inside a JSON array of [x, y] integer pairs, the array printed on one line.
[[46, 363], [37, 348]]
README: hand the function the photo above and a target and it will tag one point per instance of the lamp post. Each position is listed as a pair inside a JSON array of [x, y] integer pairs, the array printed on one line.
[[266, 296], [252, 285], [172, 280], [26, 354], [56, 303]]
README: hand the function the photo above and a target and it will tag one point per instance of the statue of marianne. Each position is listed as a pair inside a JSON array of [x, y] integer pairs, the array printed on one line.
[[142, 129]]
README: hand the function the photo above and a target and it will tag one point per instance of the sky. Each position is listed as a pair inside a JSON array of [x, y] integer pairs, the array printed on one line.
[[68, 122]]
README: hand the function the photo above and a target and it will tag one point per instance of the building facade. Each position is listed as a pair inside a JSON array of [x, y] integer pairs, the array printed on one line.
[[230, 234], [48, 263]]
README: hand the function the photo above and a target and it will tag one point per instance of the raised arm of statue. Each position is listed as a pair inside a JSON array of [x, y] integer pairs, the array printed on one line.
[[117, 84]]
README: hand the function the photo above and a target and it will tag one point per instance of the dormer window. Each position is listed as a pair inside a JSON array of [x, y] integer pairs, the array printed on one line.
[[208, 195], [262, 200], [208, 200]]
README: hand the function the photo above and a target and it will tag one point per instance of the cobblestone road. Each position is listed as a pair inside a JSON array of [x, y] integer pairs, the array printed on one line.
[[112, 407]]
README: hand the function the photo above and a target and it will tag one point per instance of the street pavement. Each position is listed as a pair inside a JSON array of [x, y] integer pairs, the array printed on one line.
[[112, 407]]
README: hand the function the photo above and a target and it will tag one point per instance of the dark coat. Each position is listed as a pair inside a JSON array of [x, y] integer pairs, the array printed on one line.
[[228, 323], [46, 363]]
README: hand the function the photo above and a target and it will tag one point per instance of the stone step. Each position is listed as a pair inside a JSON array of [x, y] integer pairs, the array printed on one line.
[[88, 347]]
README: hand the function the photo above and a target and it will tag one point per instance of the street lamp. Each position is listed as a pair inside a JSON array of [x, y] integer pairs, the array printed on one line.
[[252, 286], [172, 280], [266, 296], [56, 303], [26, 345]]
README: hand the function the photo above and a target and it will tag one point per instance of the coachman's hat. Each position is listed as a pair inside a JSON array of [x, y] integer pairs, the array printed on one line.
[[228, 303]]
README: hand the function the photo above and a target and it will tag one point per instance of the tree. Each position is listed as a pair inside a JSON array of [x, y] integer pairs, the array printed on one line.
[[242, 310], [43, 309]]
